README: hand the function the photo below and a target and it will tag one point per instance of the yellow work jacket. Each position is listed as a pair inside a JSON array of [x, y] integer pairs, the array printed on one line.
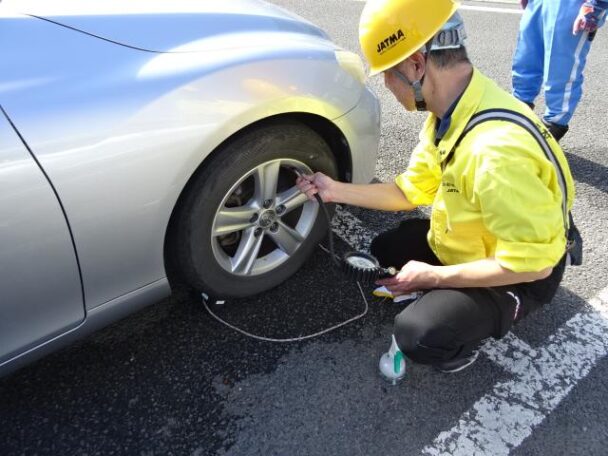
[[498, 196]]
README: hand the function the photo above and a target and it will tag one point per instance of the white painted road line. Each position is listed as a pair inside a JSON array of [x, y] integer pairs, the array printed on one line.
[[507, 351], [351, 230], [501, 420], [487, 9], [490, 9]]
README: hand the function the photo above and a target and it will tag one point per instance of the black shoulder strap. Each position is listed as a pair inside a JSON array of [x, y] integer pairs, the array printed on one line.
[[524, 122]]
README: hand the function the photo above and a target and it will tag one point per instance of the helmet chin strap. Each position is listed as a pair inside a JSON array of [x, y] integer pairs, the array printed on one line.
[[417, 86], [420, 102]]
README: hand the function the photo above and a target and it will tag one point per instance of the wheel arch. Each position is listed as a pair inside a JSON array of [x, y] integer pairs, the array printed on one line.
[[327, 130]]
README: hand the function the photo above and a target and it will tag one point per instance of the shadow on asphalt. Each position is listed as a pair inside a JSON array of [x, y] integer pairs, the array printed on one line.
[[588, 172]]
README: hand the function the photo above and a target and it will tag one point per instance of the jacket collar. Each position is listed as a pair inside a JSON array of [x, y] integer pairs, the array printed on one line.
[[465, 107]]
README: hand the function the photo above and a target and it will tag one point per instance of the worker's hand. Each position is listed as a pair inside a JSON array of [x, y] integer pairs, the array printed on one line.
[[414, 276], [587, 19], [312, 184], [523, 3]]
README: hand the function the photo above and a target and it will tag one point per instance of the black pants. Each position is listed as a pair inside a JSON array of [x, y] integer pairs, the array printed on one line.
[[445, 324]]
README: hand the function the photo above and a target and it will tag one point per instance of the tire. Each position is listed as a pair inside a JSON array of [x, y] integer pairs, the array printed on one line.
[[243, 227]]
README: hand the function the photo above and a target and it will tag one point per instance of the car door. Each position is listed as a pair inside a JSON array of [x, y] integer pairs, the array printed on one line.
[[40, 286]]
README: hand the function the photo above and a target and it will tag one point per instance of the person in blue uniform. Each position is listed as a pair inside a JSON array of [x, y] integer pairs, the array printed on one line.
[[554, 40]]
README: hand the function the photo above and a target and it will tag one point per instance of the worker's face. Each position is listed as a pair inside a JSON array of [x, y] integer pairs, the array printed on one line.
[[402, 91], [398, 80]]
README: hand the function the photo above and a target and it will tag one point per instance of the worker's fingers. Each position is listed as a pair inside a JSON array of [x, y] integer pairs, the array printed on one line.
[[582, 25], [311, 193], [304, 178], [307, 188], [317, 183], [400, 290], [395, 286], [304, 184]]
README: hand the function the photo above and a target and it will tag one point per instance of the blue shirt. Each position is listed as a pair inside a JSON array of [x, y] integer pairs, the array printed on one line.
[[443, 125]]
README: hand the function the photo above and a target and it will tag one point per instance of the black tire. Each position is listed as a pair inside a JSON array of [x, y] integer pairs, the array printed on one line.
[[205, 260]]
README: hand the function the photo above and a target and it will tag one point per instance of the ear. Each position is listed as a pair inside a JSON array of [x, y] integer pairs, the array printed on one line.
[[419, 60]]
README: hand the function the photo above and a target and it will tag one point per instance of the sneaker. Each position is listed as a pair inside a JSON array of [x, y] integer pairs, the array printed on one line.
[[383, 292], [456, 365]]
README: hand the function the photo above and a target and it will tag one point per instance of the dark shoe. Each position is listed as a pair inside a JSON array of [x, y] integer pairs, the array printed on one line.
[[558, 131], [456, 365], [529, 103]]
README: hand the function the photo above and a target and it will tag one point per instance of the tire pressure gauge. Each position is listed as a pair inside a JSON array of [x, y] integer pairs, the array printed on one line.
[[364, 268]]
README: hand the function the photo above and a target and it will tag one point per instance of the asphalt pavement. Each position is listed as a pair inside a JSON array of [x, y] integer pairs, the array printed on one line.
[[171, 380]]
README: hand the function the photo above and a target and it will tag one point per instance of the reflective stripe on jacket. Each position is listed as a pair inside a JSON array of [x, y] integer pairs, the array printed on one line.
[[498, 196]]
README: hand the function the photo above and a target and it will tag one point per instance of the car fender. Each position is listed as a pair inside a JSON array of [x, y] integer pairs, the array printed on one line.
[[119, 131]]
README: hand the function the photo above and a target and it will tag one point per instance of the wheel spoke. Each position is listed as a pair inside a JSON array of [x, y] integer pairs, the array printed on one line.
[[291, 199], [266, 179], [286, 238], [231, 219], [247, 252]]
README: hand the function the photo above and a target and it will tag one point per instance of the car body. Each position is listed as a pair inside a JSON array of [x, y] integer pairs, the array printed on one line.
[[143, 143]]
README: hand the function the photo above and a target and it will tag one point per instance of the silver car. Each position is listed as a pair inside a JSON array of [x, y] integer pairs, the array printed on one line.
[[147, 144]]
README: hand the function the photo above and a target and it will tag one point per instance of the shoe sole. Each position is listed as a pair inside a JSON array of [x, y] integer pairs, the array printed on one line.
[[459, 368]]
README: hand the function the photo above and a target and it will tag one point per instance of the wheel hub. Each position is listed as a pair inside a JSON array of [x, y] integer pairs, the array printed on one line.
[[267, 219]]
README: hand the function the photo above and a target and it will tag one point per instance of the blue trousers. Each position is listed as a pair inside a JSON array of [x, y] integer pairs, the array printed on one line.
[[548, 55]]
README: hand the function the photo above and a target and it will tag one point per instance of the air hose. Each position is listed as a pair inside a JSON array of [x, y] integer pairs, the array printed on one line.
[[359, 266]]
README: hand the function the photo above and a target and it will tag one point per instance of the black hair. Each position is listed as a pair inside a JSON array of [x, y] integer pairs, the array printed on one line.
[[447, 58]]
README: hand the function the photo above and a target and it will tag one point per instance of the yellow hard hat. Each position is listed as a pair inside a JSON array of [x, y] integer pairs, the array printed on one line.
[[392, 30]]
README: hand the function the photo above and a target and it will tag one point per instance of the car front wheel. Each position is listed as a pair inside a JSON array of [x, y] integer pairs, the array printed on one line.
[[244, 226]]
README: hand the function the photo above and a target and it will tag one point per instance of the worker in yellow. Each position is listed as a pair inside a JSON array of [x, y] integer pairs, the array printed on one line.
[[500, 188]]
